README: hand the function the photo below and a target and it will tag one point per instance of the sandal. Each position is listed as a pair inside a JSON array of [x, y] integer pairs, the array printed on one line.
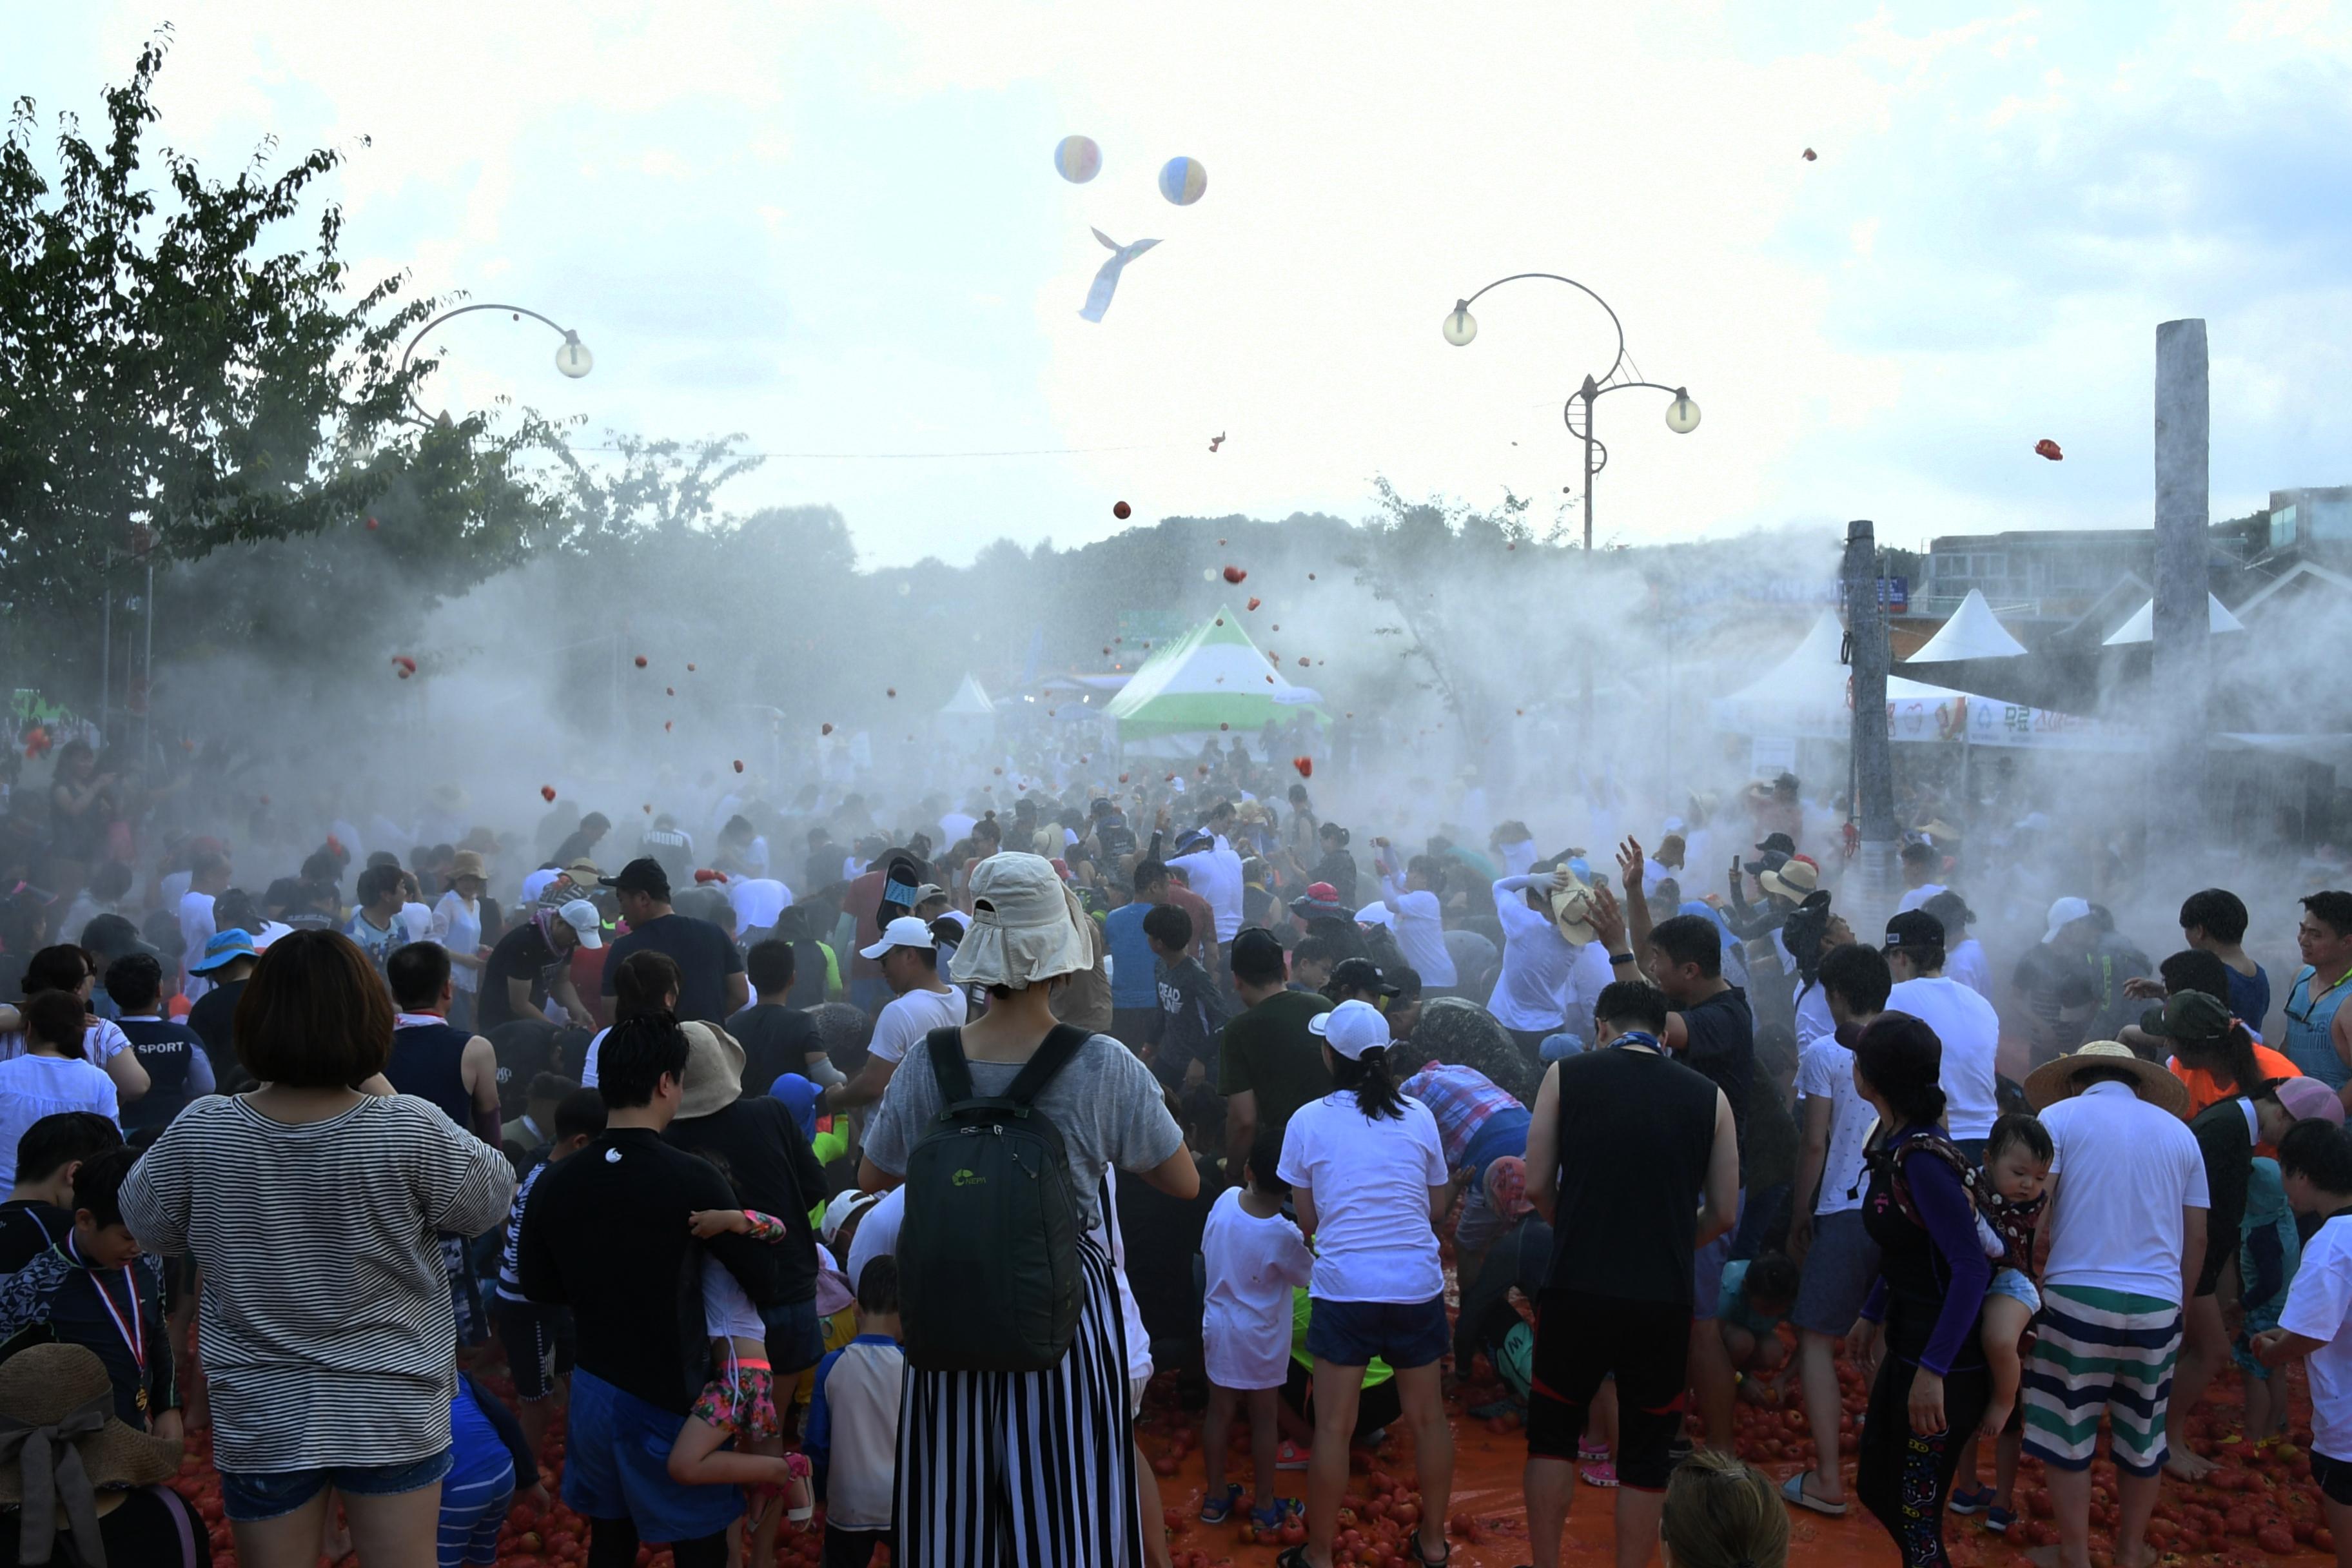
[[1217, 1510], [1793, 1493], [1586, 1448], [1598, 1473], [1277, 1513], [1969, 1502], [1413, 1541]]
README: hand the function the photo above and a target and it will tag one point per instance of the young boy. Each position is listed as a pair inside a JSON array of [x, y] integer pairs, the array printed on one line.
[[40, 1209], [489, 1461], [538, 1338], [2268, 1252], [2315, 1161], [853, 1426], [1190, 1011], [94, 1288], [1756, 1296], [1253, 1258]]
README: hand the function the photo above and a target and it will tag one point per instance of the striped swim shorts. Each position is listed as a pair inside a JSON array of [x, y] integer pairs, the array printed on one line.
[[2108, 1351]]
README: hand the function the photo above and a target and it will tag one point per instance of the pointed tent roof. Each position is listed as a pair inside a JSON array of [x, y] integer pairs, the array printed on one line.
[[1212, 675], [2141, 627], [1973, 632], [1809, 688], [970, 701]]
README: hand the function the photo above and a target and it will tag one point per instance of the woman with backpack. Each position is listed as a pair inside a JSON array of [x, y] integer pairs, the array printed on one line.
[[1367, 1172], [1922, 1329], [1017, 1444]]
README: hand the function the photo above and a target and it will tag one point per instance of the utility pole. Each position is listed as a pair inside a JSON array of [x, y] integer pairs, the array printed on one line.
[[1874, 761], [2182, 652]]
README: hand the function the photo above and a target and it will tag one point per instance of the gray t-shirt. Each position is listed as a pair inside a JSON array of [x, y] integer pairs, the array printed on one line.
[[1106, 1103]]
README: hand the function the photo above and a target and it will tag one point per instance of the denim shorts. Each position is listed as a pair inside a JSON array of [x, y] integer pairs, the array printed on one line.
[[2017, 1286], [1405, 1334], [1708, 1265], [250, 1497], [795, 1337]]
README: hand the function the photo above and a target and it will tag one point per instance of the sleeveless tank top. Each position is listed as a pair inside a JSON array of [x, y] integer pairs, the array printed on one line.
[[2311, 1028], [425, 1062]]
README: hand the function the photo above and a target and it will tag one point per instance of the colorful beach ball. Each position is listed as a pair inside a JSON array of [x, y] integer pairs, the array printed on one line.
[[1181, 181], [1076, 159]]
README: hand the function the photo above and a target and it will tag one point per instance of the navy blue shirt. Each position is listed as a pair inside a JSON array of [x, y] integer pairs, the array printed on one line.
[[178, 1070]]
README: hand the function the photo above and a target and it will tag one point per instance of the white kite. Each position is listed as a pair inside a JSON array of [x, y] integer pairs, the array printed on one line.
[[1107, 281]]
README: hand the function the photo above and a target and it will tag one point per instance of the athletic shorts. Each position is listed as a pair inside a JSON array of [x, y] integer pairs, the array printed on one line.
[[1839, 1271], [2333, 1476], [616, 1466], [2101, 1351], [1582, 1340]]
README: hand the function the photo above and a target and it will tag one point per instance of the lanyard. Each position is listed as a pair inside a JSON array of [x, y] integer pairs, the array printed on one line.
[[134, 1331]]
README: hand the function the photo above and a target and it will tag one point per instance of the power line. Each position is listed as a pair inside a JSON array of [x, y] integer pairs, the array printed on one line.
[[893, 456]]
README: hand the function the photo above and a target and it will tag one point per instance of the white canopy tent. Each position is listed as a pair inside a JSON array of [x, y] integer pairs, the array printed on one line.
[[1809, 695], [1973, 632], [2141, 627]]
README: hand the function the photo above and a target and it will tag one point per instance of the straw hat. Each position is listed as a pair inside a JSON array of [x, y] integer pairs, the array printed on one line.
[[60, 1439], [2056, 1080], [1793, 879], [714, 1070], [1022, 929], [467, 863], [1572, 907]]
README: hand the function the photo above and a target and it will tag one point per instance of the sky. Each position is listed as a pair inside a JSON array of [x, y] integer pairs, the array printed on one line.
[[837, 228]]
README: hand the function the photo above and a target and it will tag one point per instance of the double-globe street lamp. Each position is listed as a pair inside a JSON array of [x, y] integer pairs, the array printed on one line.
[[1681, 414], [572, 358]]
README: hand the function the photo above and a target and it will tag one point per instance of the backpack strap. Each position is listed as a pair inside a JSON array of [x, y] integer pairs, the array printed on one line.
[[950, 1065], [1052, 1056]]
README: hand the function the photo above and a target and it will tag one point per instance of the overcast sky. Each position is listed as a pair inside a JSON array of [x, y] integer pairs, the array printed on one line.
[[837, 228]]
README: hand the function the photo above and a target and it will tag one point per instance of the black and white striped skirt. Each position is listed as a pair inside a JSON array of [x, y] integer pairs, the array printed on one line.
[[1025, 1470]]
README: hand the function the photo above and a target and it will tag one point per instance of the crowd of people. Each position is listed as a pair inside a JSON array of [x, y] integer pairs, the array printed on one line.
[[878, 1170]]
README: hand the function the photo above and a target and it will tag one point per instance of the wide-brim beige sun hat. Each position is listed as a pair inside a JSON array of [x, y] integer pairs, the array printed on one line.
[[2056, 1080], [1022, 929]]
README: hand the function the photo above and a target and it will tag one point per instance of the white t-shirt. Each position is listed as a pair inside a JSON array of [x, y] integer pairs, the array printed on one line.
[[1252, 1266], [1813, 1019], [1371, 1181], [1420, 931], [956, 826], [588, 1068], [34, 1087], [195, 930], [1917, 898], [758, 901], [537, 884], [877, 1233], [1215, 874], [1825, 1072], [1970, 1031], [2320, 1306], [2126, 1168], [727, 1310], [1967, 965], [908, 1018], [1107, 1235], [1532, 991], [418, 920], [457, 926]]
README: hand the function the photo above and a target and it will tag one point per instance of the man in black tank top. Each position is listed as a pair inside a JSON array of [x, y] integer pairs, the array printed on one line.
[[455, 1069], [1634, 1159]]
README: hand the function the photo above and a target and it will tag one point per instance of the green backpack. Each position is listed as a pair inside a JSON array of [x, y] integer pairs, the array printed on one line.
[[988, 1249]]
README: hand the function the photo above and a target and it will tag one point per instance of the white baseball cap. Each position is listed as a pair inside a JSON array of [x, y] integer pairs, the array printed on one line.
[[904, 931], [1352, 1029], [2064, 913], [585, 923]]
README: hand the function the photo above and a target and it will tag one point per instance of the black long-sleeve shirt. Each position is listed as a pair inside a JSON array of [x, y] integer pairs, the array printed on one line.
[[605, 1234], [756, 1141]]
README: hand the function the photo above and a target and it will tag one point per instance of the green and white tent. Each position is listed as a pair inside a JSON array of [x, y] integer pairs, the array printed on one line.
[[1212, 675]]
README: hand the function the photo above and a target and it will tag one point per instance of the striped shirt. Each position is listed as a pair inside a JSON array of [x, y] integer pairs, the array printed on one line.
[[509, 1287], [1462, 1098], [327, 1326]]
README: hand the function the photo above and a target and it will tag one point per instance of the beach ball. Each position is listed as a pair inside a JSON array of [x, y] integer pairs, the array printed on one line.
[[1181, 181], [1076, 159]]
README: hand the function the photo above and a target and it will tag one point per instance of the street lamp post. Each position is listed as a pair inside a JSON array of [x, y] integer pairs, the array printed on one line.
[[1681, 414], [572, 358], [1682, 419]]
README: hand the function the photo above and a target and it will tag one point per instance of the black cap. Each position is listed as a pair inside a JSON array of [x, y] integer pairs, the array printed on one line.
[[642, 875], [1914, 931], [1778, 844], [1256, 942], [1359, 975]]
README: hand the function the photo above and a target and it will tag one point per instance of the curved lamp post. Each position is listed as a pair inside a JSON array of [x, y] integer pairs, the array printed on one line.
[[1681, 414], [572, 358]]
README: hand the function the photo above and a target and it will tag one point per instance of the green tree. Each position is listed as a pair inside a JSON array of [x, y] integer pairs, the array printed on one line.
[[180, 372]]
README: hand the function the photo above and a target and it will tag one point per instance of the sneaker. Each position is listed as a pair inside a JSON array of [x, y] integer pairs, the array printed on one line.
[[1968, 1502], [1599, 1473], [1217, 1510], [1998, 1519], [1290, 1457]]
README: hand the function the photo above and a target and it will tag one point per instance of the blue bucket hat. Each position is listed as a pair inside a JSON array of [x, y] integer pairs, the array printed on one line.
[[225, 948]]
